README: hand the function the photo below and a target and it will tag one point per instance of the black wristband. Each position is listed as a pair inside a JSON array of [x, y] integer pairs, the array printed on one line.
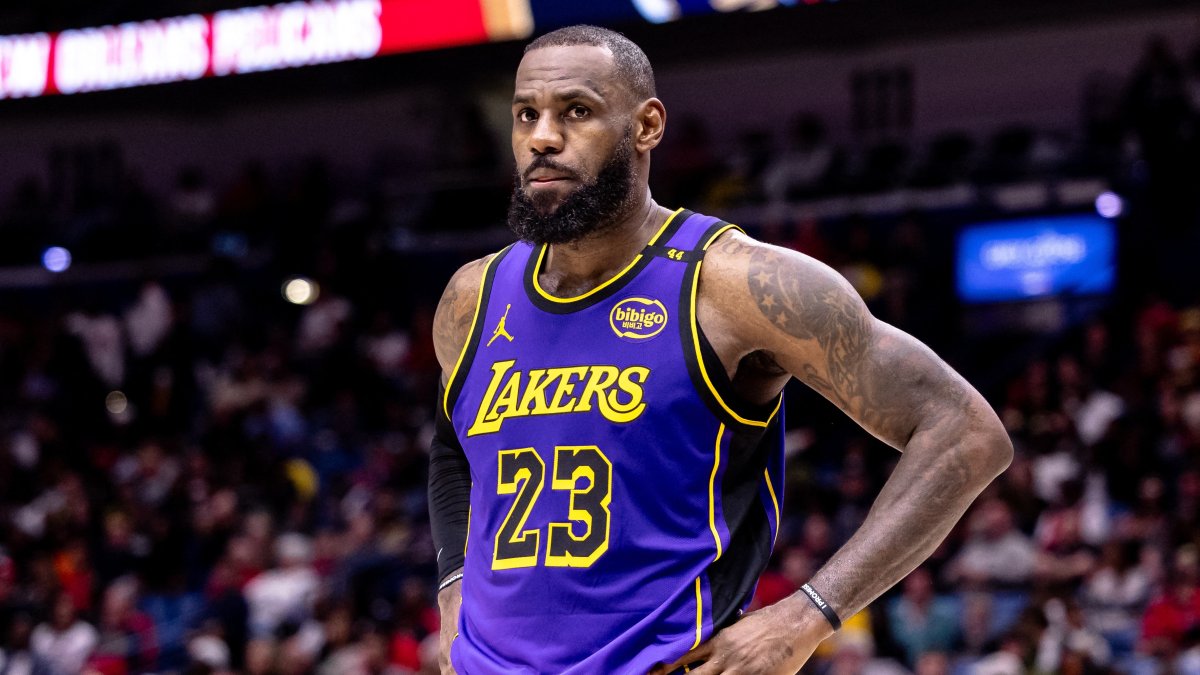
[[830, 615], [449, 581]]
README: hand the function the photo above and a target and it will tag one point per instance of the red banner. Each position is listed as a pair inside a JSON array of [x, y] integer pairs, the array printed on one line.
[[246, 40]]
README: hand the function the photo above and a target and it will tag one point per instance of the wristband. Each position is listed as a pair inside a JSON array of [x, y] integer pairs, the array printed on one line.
[[449, 580], [830, 615]]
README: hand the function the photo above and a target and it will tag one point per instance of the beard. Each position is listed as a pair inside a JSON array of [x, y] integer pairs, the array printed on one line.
[[593, 207]]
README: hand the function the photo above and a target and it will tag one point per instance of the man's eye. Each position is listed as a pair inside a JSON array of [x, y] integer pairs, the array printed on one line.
[[577, 112], [527, 115]]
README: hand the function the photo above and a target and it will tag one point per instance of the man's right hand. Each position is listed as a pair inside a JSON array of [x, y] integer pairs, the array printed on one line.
[[449, 602]]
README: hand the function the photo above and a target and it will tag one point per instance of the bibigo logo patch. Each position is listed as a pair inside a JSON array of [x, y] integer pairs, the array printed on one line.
[[637, 318]]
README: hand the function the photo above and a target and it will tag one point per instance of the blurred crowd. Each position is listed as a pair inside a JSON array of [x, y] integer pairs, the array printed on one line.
[[199, 477], [252, 500], [1084, 557]]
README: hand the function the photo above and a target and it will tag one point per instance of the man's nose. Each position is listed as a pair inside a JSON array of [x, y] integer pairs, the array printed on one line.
[[547, 137]]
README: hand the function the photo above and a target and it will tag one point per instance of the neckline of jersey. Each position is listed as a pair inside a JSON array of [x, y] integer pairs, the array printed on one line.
[[613, 283]]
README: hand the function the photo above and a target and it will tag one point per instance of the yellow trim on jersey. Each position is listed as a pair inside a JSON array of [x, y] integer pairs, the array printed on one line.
[[467, 345], [696, 343], [699, 615], [712, 501], [774, 502], [542, 255]]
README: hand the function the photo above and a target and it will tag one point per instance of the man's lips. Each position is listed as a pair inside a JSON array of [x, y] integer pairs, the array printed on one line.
[[543, 181], [547, 174]]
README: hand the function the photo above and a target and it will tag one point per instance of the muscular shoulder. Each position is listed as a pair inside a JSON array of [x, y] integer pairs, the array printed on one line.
[[456, 309], [769, 294]]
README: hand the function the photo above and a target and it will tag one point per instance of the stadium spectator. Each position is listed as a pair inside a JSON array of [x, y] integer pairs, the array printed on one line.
[[285, 593], [1176, 610], [997, 555], [1068, 644], [127, 643], [794, 569], [1114, 595], [65, 641], [1014, 655], [922, 622]]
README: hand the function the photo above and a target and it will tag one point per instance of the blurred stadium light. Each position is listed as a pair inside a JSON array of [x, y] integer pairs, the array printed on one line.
[[56, 259], [301, 291]]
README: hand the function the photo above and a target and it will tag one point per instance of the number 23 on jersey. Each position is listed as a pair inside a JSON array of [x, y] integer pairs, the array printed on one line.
[[586, 474]]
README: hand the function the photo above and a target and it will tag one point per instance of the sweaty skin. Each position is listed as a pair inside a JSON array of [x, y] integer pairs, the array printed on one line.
[[808, 323]]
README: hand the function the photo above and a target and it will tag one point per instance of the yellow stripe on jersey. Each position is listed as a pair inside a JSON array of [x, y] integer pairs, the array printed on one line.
[[699, 615], [712, 499], [470, 334], [696, 343], [774, 502]]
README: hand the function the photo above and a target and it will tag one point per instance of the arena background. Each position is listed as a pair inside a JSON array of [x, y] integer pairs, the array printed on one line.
[[216, 368]]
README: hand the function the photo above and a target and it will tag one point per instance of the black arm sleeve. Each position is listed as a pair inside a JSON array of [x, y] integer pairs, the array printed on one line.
[[449, 494]]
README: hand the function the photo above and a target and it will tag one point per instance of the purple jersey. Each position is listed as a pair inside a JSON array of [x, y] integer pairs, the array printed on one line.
[[623, 501]]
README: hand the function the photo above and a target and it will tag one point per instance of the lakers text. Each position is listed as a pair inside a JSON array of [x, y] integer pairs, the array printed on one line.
[[616, 393]]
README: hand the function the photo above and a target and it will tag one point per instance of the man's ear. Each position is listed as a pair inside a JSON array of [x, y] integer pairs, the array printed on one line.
[[650, 121]]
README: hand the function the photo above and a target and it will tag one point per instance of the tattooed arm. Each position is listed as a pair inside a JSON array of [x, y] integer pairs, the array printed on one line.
[[811, 324], [449, 473]]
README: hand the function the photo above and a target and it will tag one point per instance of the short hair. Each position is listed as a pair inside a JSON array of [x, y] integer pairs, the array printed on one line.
[[629, 60]]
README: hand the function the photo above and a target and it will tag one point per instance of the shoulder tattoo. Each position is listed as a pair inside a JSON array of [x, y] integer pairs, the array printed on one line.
[[813, 307]]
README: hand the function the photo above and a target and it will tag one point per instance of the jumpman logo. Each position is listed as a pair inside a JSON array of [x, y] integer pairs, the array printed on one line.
[[500, 330]]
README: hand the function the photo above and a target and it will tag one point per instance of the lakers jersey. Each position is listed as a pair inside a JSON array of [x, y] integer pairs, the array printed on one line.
[[623, 500]]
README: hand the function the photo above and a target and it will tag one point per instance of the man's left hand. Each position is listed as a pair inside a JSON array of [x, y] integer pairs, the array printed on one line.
[[769, 641]]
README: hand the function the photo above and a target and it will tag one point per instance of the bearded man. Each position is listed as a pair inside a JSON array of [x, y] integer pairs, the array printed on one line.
[[606, 477]]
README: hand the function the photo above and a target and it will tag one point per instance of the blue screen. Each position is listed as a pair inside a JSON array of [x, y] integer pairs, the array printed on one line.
[[1036, 258]]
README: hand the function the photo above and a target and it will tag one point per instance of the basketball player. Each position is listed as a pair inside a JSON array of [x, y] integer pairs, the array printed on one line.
[[606, 479]]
